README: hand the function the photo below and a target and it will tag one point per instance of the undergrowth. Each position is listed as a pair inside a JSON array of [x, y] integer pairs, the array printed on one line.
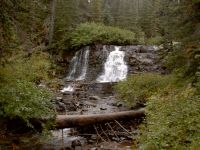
[[172, 110], [20, 96]]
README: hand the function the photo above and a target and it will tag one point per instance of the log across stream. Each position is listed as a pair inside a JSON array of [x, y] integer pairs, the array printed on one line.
[[67, 121]]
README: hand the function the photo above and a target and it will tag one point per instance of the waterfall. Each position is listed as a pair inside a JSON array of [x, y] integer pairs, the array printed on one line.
[[78, 65], [115, 68], [73, 66], [85, 66]]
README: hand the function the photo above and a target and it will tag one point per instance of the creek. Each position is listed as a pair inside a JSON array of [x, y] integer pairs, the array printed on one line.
[[89, 89], [91, 75]]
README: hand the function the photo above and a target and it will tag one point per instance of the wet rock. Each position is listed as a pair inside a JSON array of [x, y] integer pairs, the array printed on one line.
[[94, 137], [68, 98], [78, 89], [119, 104], [59, 98], [103, 108], [94, 148], [86, 103], [42, 85], [112, 104], [78, 148], [60, 106], [76, 143], [116, 139], [97, 98], [142, 49], [129, 137], [66, 148], [91, 141], [70, 106], [67, 93], [122, 138]]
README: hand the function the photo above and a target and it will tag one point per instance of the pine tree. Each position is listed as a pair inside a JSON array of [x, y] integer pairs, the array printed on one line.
[[96, 10], [107, 15], [67, 17]]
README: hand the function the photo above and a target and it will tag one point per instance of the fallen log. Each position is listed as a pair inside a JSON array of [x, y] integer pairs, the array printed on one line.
[[68, 121]]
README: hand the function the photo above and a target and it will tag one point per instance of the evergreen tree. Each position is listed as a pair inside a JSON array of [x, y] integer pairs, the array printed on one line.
[[96, 10], [107, 15]]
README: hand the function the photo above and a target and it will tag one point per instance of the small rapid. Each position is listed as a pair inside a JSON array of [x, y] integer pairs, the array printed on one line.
[[69, 88]]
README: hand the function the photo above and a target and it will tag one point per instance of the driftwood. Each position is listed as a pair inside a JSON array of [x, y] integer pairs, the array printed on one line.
[[67, 121]]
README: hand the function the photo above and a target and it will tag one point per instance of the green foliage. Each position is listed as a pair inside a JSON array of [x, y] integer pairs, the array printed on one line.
[[172, 110], [23, 99], [21, 22], [183, 60], [196, 1], [137, 88], [34, 68], [66, 12], [157, 40], [176, 60], [19, 95], [91, 33], [172, 120]]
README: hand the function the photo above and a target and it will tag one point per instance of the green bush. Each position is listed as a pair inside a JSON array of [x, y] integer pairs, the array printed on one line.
[[20, 97], [33, 69], [155, 40], [176, 60], [172, 110], [137, 88], [94, 33], [172, 121]]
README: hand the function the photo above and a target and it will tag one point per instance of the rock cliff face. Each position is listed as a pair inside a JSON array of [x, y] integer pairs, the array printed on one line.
[[138, 59]]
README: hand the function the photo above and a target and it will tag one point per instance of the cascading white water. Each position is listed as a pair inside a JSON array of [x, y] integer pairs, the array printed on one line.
[[73, 67], [115, 68], [78, 68], [79, 65], [69, 88], [85, 66]]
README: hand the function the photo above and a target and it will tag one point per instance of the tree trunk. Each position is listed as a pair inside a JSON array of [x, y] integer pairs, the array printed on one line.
[[52, 19], [67, 121]]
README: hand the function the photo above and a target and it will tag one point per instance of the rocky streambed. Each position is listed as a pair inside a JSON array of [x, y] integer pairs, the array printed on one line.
[[93, 98], [88, 98]]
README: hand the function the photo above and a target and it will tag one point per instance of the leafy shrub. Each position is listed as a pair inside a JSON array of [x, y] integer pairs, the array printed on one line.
[[19, 95], [155, 40], [172, 121], [94, 33], [20, 98], [176, 60], [33, 69], [172, 110], [137, 88], [183, 60]]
